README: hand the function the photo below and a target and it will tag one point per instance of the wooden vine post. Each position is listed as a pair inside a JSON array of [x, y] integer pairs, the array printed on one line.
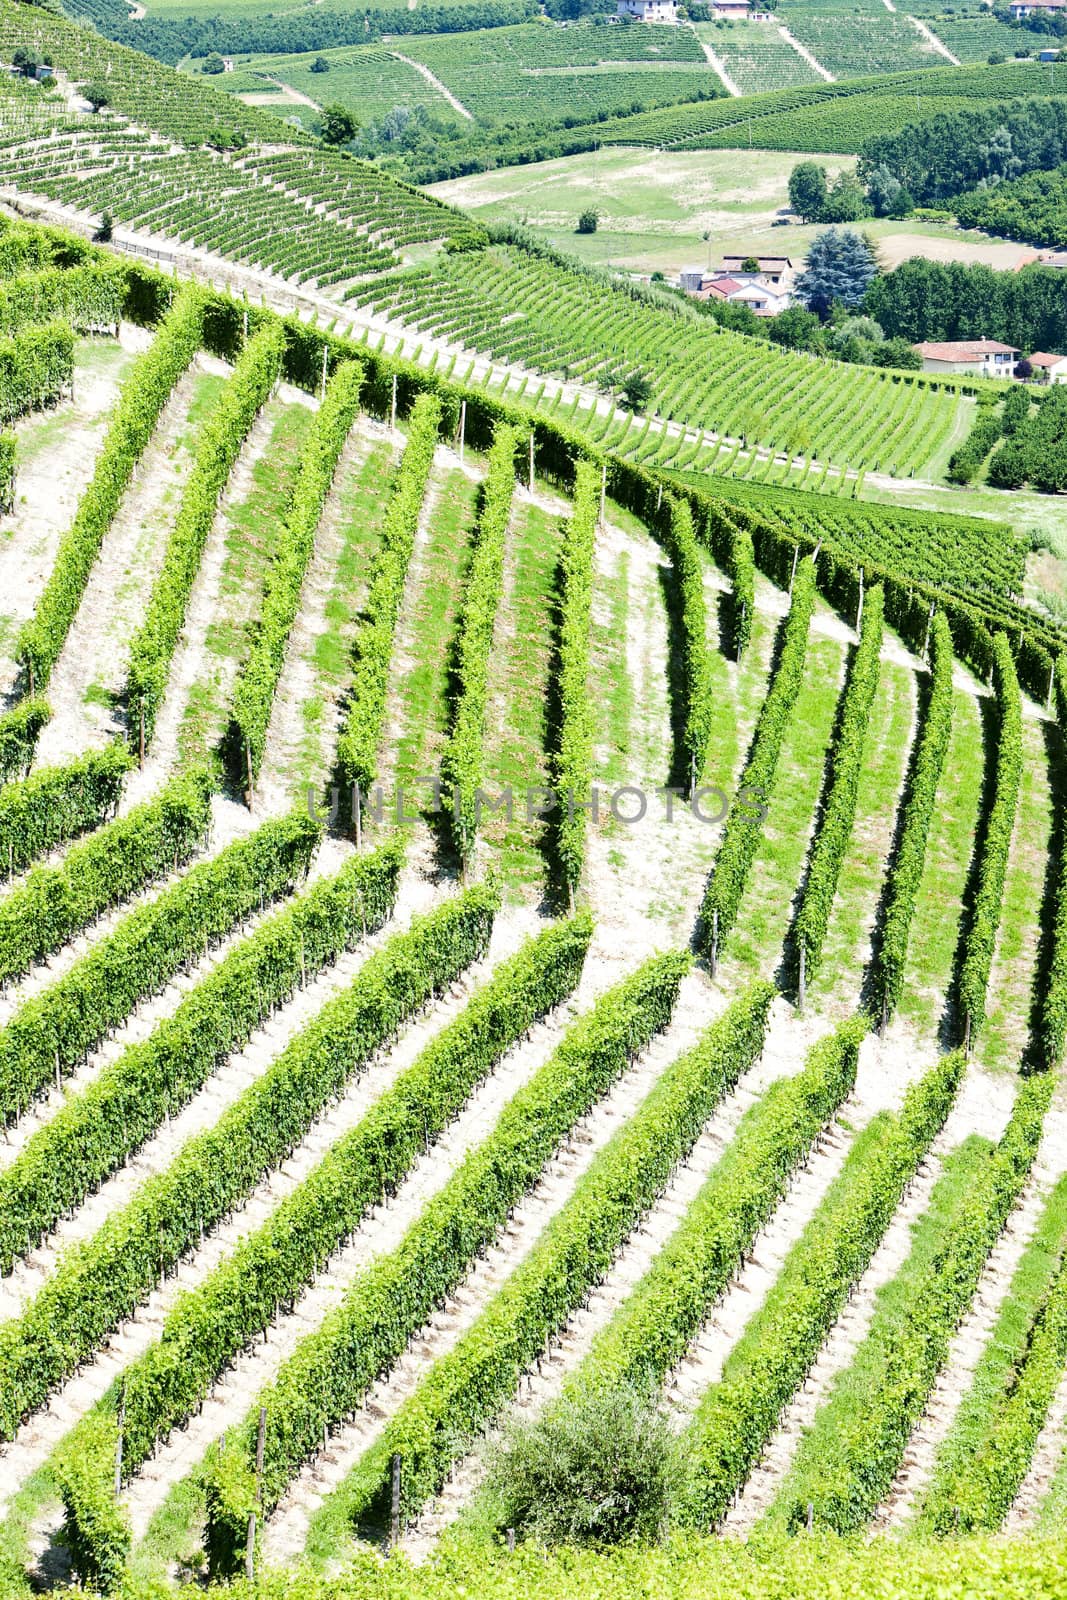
[[462, 426], [801, 978], [394, 1511], [250, 1543], [392, 407]]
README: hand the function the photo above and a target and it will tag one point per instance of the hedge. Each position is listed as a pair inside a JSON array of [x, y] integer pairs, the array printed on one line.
[[573, 757], [981, 935], [96, 1130], [1052, 1021], [55, 1029], [695, 669], [218, 445], [211, 1324], [857, 1469], [846, 766], [361, 732], [742, 571], [56, 804], [90, 297], [462, 761], [331, 1371], [722, 897], [36, 366], [466, 1389], [906, 867], [20, 728], [781, 1341], [257, 680], [215, 1171], [652, 1329], [8, 464], [133, 422]]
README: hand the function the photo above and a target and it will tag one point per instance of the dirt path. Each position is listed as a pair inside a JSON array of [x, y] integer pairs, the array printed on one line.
[[435, 83], [57, 454], [801, 50], [302, 680], [93, 663], [718, 66], [931, 38]]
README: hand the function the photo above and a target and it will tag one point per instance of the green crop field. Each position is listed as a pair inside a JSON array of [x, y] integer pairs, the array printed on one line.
[[533, 858]]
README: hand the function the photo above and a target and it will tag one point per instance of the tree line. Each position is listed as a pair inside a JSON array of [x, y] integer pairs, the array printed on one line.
[[923, 299]]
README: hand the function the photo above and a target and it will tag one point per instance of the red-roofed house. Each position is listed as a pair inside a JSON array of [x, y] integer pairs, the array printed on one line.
[[1049, 367], [984, 356]]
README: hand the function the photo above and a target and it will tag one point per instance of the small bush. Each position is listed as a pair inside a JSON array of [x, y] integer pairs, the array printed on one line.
[[599, 1470]]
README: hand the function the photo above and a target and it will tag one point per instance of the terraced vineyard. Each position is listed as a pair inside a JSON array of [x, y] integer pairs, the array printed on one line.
[[351, 1117]]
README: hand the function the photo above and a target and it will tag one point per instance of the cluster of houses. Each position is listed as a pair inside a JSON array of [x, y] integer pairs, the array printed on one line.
[[766, 290], [722, 10], [988, 358]]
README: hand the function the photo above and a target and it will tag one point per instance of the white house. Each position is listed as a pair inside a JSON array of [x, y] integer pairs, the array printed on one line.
[[653, 10], [1029, 8], [1048, 367], [983, 356]]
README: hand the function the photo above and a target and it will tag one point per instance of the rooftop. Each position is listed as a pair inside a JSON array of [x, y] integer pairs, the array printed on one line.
[[964, 349]]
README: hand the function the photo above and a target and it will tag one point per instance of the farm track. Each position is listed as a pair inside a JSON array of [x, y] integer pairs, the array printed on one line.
[[95, 653]]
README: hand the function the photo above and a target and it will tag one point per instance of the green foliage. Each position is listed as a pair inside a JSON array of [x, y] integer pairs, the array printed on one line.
[[742, 569], [462, 763], [596, 1471], [8, 451], [965, 462], [337, 125], [217, 446], [211, 1324], [979, 1492], [55, 804], [846, 767], [1052, 1025], [722, 897], [107, 1277], [331, 1371], [54, 1030], [89, 296], [652, 1329], [257, 681], [53, 903], [572, 765], [996, 841], [20, 729], [98, 1538], [463, 1392], [861, 1457], [361, 733], [133, 422], [679, 536], [780, 1343], [839, 270], [95, 1131], [906, 870], [587, 221], [36, 366]]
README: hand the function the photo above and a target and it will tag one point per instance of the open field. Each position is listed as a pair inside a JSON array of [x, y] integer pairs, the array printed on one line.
[[656, 207]]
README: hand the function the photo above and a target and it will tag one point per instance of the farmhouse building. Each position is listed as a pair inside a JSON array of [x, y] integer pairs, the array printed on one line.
[[773, 270], [1029, 8], [652, 10], [1048, 367], [740, 288], [731, 10], [983, 356]]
